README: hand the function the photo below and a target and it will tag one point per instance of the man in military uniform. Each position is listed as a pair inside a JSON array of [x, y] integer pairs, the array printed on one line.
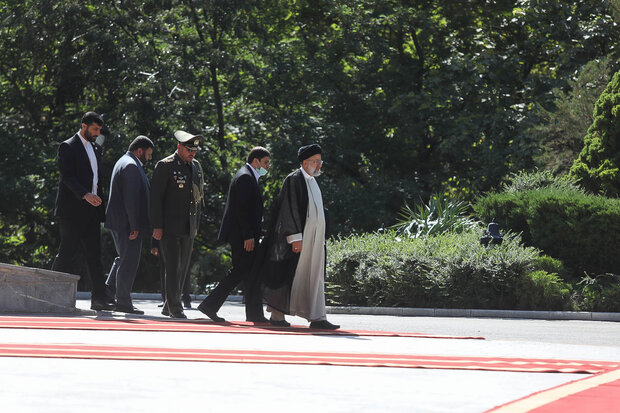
[[176, 200]]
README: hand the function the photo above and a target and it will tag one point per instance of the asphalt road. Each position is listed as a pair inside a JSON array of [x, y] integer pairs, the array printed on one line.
[[82, 385]]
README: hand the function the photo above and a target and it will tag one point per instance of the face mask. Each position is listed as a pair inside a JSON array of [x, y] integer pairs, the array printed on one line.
[[261, 171]]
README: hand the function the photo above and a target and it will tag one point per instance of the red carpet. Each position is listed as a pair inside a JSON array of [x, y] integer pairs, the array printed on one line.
[[82, 351], [202, 326], [598, 393]]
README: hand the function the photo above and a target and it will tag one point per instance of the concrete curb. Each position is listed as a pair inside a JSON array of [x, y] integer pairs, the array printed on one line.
[[473, 313], [422, 312]]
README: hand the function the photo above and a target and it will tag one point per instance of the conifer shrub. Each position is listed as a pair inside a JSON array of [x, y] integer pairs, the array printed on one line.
[[598, 164]]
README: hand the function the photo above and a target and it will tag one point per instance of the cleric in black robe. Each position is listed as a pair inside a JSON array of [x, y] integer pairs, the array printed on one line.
[[292, 265]]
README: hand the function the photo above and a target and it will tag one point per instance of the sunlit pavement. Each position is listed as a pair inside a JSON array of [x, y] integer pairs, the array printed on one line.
[[82, 385]]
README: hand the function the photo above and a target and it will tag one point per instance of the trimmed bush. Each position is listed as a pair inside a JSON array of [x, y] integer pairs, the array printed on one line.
[[448, 270], [581, 230], [540, 290]]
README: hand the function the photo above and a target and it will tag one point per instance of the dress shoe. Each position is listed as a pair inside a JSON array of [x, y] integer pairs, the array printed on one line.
[[259, 319], [101, 305], [187, 302], [210, 313], [128, 309], [160, 305], [165, 311], [179, 314], [280, 323], [323, 325]]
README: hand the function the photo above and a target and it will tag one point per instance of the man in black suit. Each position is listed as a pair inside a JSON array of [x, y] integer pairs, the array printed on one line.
[[79, 207], [128, 218], [241, 227]]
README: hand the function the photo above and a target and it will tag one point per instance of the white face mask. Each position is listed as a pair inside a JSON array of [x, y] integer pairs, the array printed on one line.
[[100, 140], [261, 171]]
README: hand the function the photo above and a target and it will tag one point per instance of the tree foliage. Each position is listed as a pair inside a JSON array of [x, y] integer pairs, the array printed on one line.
[[598, 165], [407, 98], [563, 126]]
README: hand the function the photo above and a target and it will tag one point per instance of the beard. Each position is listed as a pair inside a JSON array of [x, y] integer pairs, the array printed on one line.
[[315, 172], [143, 158], [89, 136]]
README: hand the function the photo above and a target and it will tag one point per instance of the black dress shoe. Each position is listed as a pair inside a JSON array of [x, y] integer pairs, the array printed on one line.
[[160, 305], [128, 309], [257, 319], [179, 314], [280, 323], [210, 313], [100, 305], [187, 302], [324, 325], [165, 311]]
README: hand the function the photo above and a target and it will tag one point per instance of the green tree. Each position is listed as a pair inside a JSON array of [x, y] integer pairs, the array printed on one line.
[[561, 129], [407, 98], [598, 164]]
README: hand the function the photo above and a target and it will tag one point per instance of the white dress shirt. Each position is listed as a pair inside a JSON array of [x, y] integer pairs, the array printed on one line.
[[93, 162]]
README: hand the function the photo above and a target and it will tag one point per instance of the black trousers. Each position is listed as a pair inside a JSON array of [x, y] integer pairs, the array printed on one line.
[[85, 236], [242, 262], [187, 285], [176, 253]]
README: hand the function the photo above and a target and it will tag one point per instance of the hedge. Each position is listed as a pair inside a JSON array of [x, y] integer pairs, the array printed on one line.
[[581, 230], [443, 271]]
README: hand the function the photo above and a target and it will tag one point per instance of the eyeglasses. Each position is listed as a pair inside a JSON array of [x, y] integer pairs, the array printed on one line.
[[316, 162]]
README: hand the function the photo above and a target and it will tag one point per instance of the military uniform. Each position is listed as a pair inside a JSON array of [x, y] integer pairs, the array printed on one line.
[[176, 203]]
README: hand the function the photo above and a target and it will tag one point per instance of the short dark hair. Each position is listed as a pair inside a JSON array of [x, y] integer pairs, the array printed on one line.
[[91, 117], [141, 142], [258, 152]]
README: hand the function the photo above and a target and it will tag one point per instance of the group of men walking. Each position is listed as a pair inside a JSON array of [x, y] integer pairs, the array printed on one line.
[[286, 270]]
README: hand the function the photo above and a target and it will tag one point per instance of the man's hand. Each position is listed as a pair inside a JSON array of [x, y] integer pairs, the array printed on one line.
[[133, 235], [248, 245], [92, 199], [158, 233], [296, 245]]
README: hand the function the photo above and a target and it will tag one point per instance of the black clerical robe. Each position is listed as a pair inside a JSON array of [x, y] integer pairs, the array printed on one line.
[[276, 262]]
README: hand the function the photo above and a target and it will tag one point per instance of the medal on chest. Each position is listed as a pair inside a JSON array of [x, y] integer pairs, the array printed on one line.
[[180, 179]]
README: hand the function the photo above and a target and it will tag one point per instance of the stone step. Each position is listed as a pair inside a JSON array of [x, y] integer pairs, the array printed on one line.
[[35, 290]]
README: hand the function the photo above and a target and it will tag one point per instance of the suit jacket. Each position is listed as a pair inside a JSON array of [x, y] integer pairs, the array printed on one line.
[[128, 205], [243, 213], [76, 180], [177, 191]]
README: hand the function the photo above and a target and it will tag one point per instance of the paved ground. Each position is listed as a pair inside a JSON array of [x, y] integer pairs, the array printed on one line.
[[59, 385]]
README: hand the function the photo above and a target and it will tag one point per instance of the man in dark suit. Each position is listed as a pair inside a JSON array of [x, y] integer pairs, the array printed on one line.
[[241, 227], [177, 190], [79, 207], [128, 218]]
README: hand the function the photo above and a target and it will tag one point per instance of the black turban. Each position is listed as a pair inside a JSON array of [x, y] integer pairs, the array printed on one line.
[[307, 151]]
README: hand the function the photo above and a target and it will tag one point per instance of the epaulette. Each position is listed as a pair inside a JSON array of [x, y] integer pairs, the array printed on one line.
[[168, 159]]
